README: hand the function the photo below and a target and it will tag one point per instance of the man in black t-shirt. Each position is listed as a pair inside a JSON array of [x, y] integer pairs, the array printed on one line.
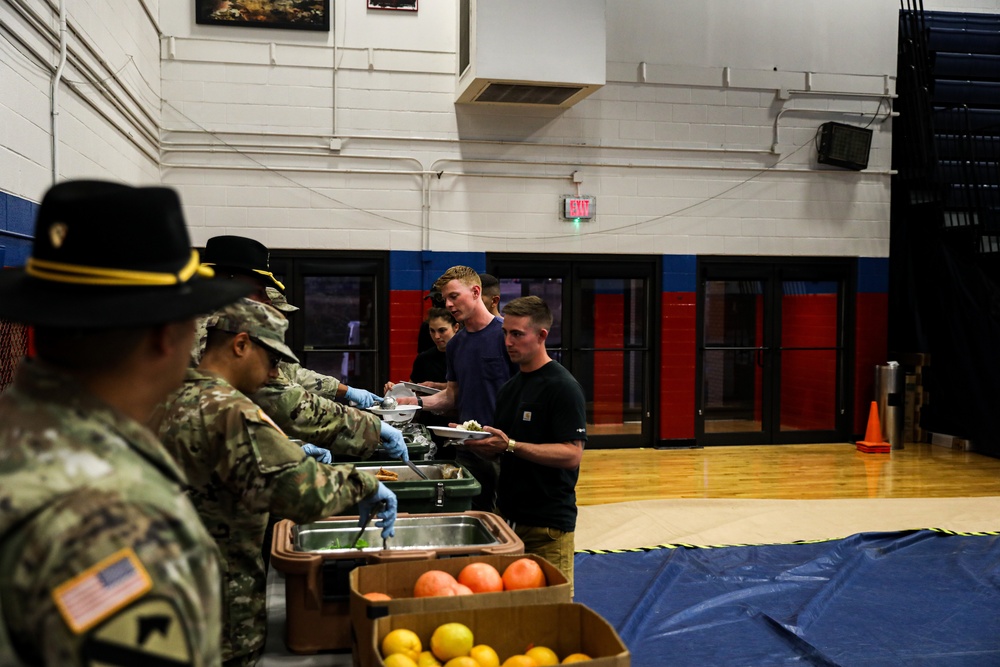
[[538, 434]]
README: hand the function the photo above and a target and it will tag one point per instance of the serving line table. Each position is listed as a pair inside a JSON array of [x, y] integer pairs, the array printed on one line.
[[276, 654]]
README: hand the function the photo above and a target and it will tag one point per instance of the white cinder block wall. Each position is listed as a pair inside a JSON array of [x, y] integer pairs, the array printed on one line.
[[351, 138], [108, 101]]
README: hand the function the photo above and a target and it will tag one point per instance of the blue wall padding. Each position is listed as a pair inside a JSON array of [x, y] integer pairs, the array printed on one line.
[[873, 599], [873, 275], [417, 270], [680, 273]]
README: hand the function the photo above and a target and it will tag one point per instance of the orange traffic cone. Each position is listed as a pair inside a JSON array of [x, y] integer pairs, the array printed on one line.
[[873, 442]]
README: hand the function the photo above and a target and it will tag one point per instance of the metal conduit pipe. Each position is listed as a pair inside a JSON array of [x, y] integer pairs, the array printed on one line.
[[43, 30], [54, 92], [16, 235]]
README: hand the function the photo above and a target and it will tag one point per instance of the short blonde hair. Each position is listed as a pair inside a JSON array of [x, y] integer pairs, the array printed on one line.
[[467, 275]]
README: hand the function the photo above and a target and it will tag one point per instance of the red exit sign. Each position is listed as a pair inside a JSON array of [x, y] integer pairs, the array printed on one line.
[[578, 208]]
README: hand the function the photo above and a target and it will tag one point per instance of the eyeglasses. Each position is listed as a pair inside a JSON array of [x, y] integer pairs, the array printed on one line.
[[273, 357]]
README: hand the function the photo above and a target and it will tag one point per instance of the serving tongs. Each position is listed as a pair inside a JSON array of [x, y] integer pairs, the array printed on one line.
[[376, 508], [413, 466]]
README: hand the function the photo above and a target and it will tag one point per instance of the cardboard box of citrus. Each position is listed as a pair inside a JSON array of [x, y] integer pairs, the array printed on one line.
[[531, 636], [398, 580]]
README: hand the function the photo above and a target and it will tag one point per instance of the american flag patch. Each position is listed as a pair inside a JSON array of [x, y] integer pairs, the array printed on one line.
[[101, 590]]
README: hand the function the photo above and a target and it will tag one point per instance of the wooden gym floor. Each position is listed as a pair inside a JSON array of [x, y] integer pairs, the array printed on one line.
[[780, 493]]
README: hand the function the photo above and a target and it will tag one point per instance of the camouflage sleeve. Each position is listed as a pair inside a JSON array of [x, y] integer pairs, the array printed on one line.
[[149, 567], [312, 418], [295, 486], [313, 382]]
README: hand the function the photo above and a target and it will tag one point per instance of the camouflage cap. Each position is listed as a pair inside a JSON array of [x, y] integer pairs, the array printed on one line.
[[279, 301], [261, 322]]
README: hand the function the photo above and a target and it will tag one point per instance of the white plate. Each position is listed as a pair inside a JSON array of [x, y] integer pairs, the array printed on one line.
[[401, 413], [418, 388], [458, 433]]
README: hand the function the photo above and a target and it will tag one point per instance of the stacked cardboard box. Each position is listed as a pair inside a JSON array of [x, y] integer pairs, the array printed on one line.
[[397, 579], [916, 367]]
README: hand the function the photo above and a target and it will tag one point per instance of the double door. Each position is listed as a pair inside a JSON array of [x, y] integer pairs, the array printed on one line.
[[602, 332], [773, 340]]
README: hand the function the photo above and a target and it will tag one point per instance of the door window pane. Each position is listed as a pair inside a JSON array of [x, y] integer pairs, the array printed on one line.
[[340, 328], [808, 390], [614, 407], [547, 289], [732, 391]]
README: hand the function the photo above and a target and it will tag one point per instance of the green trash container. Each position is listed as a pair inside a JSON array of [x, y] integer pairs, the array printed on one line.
[[451, 487]]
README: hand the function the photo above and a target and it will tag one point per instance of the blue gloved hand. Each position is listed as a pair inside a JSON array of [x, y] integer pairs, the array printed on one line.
[[393, 443], [387, 513], [364, 399], [318, 453]]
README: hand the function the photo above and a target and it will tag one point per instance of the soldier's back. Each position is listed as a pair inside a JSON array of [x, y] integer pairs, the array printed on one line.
[[96, 535]]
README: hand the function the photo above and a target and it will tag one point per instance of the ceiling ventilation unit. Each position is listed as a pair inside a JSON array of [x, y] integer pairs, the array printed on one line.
[[527, 52]]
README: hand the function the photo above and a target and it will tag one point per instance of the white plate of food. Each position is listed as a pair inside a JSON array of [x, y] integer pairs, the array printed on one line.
[[458, 433], [418, 388]]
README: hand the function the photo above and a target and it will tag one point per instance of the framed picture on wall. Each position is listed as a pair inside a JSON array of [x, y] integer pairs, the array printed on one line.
[[402, 5], [295, 14]]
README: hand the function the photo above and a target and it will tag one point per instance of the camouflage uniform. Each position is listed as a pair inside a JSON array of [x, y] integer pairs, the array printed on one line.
[[80, 482], [313, 416], [302, 403], [242, 468]]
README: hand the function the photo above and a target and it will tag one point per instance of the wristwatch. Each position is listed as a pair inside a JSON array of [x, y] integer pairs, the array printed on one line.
[[420, 403], [511, 445]]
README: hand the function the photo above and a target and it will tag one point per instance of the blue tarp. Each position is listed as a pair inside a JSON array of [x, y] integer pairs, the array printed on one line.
[[873, 599]]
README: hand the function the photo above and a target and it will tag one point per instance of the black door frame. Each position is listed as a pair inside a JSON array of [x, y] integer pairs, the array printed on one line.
[[773, 271], [570, 268]]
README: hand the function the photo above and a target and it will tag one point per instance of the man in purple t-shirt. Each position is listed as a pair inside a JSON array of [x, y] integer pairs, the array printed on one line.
[[478, 365]]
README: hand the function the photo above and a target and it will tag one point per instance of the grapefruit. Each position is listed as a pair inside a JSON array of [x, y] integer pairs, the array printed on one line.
[[575, 657], [461, 589], [402, 641], [462, 661], [481, 578], [377, 597], [432, 583], [427, 659], [523, 573], [451, 640], [399, 660], [519, 661]]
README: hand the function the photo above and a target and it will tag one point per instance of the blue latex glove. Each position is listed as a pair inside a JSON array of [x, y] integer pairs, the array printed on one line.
[[393, 443], [364, 399], [387, 513], [318, 453]]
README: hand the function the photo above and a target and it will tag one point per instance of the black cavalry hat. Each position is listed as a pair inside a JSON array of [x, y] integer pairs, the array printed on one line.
[[111, 255], [238, 254]]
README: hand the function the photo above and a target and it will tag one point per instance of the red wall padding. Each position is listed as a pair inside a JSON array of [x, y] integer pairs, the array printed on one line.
[[609, 367], [677, 362]]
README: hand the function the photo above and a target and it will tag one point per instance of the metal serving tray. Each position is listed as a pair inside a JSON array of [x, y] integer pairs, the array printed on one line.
[[412, 533]]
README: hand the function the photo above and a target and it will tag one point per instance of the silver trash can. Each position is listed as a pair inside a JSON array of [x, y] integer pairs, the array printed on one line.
[[891, 398]]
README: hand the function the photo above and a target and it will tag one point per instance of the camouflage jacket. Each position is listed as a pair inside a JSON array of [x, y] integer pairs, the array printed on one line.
[[302, 403], [315, 418], [96, 539], [241, 468]]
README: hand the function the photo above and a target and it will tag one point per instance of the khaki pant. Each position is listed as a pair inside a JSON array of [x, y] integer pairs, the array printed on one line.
[[553, 545]]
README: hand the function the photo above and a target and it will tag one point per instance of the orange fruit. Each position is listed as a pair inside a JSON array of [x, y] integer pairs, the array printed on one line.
[[519, 661], [481, 578], [376, 597], [485, 656], [575, 657], [461, 589], [523, 573], [427, 659], [433, 582], [451, 640], [543, 655]]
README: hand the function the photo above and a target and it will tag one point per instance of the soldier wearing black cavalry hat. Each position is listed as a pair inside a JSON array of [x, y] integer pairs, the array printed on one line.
[[103, 559]]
